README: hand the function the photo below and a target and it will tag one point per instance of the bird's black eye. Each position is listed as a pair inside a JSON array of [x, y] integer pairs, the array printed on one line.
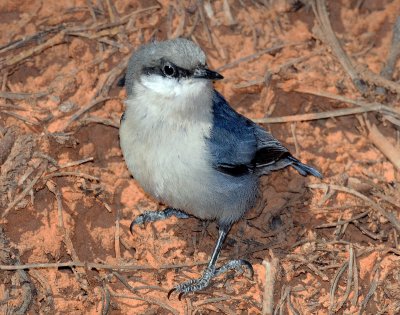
[[168, 71]]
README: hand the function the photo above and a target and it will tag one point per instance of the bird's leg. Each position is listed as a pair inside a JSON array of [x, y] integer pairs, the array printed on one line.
[[152, 216], [211, 271]]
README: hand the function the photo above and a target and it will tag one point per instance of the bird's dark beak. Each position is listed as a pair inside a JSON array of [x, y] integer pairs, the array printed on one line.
[[206, 74]]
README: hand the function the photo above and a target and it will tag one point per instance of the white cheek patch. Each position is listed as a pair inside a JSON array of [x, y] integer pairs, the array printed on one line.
[[172, 88]]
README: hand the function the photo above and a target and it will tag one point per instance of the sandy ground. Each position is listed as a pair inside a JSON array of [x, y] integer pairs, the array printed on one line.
[[67, 198]]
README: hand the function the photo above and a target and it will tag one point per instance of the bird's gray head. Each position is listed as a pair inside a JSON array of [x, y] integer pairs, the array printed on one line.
[[169, 68]]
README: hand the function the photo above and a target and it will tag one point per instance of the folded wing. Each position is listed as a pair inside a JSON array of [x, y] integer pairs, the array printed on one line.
[[239, 146]]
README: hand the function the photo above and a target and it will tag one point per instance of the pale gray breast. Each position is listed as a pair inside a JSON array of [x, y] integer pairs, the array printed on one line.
[[167, 160], [175, 168], [171, 161]]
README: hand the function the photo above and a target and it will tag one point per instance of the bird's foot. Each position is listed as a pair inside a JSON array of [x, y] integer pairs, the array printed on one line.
[[203, 282], [152, 216], [237, 265]]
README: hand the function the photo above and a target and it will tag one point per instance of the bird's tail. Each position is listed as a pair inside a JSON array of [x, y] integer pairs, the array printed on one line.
[[303, 169]]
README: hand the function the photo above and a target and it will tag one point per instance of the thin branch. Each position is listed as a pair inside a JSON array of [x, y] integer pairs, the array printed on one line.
[[147, 300], [391, 152], [271, 269], [21, 95], [56, 191], [371, 291], [125, 282], [334, 285], [27, 189], [321, 13], [389, 216], [394, 53], [22, 118], [99, 120], [98, 266], [270, 50], [71, 164], [106, 299], [117, 235], [49, 297], [278, 69], [55, 40], [85, 109], [356, 217], [76, 174], [359, 102], [323, 115], [36, 37], [349, 281]]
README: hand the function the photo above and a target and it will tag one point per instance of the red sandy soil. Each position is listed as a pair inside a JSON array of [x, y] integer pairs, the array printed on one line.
[[82, 212]]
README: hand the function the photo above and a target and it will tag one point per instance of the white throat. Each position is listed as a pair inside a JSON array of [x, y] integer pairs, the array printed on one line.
[[165, 127], [172, 100]]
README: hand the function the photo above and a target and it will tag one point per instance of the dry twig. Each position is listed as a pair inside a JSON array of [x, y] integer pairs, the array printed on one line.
[[19, 117], [125, 282], [98, 266], [55, 40], [372, 289], [56, 191], [48, 291], [321, 13], [23, 282], [384, 108], [248, 58], [389, 216], [323, 115], [271, 268], [75, 174], [22, 96], [349, 281], [41, 169], [339, 222], [116, 237], [99, 120], [364, 108], [334, 285], [358, 74], [26, 40], [85, 109], [70, 164], [394, 52], [200, 6], [147, 300], [379, 140], [106, 298]]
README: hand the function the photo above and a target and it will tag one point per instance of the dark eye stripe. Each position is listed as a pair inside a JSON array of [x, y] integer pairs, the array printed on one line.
[[183, 73], [179, 72], [152, 70]]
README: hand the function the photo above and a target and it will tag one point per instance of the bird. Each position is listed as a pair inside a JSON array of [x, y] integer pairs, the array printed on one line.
[[190, 150]]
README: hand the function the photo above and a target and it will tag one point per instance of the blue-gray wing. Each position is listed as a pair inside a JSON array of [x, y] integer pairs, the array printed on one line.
[[239, 146]]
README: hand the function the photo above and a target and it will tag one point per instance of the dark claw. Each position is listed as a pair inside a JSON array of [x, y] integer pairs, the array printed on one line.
[[173, 290], [170, 292], [131, 227], [180, 295], [136, 222], [248, 265]]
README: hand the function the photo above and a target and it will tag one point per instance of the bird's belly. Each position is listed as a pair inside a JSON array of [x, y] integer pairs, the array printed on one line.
[[171, 166], [175, 168], [169, 172]]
